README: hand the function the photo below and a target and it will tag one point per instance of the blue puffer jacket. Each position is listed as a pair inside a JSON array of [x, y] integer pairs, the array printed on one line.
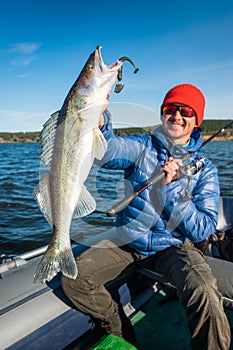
[[161, 216]]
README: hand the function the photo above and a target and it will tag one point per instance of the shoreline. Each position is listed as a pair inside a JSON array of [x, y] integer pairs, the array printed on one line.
[[209, 127], [204, 137]]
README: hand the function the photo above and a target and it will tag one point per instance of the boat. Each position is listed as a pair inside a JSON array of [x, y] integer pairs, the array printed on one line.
[[39, 316]]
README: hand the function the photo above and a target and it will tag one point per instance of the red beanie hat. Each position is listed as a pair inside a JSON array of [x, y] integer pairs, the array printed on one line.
[[189, 95]]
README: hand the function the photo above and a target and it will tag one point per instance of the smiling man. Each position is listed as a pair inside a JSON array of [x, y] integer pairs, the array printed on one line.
[[159, 227], [182, 111]]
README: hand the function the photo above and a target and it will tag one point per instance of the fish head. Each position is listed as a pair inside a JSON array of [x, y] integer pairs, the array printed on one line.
[[95, 81]]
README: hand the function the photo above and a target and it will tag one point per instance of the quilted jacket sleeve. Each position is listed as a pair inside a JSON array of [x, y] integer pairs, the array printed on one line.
[[122, 152]]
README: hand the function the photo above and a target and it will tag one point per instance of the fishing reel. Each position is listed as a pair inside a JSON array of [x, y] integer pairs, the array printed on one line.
[[189, 170], [195, 166]]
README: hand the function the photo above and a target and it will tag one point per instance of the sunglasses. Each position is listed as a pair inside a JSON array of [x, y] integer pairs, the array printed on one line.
[[185, 111]]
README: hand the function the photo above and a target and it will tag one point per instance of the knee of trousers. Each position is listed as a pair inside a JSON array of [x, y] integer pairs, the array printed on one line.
[[199, 290], [76, 286]]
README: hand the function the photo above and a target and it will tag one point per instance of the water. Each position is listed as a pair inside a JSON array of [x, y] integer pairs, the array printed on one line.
[[23, 227]]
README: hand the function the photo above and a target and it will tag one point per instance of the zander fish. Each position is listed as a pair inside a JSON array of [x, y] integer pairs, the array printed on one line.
[[70, 140]]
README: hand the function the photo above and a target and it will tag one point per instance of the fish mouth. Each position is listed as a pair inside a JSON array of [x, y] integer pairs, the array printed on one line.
[[102, 66]]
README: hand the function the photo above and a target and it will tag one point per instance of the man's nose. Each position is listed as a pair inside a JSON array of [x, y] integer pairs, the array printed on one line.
[[177, 115]]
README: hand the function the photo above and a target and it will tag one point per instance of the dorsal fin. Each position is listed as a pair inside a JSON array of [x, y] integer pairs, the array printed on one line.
[[47, 138]]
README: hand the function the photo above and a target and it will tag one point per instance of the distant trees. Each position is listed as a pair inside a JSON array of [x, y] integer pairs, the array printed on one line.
[[30, 136], [209, 127]]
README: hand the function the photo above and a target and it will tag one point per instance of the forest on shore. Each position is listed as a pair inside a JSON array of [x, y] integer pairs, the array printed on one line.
[[209, 126]]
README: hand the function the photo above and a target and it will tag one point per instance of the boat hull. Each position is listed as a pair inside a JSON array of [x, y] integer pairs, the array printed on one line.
[[40, 316]]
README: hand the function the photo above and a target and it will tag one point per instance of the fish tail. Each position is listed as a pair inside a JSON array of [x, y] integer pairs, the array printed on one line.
[[52, 263]]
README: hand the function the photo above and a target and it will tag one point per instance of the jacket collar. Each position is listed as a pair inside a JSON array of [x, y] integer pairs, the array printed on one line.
[[175, 150]]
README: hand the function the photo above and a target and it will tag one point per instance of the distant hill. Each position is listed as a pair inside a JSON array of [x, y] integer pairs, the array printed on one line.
[[209, 126], [20, 136]]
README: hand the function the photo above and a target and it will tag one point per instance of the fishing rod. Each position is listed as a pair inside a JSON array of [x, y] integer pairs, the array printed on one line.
[[157, 178]]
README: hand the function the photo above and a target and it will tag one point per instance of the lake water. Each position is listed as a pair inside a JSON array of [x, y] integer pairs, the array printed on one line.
[[23, 227]]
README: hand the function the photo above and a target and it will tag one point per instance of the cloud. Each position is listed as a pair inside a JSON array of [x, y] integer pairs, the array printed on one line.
[[21, 120], [22, 61], [23, 75], [21, 54], [209, 68], [24, 48]]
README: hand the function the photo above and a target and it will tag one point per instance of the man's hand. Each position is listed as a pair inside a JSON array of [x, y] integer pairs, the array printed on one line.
[[171, 169], [101, 121]]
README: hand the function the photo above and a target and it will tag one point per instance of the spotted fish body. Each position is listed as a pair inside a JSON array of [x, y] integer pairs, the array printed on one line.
[[70, 140]]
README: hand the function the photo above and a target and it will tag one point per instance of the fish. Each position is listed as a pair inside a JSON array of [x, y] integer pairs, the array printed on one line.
[[70, 141]]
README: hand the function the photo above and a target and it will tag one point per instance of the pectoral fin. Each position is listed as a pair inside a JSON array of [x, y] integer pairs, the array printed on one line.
[[99, 144], [42, 195]]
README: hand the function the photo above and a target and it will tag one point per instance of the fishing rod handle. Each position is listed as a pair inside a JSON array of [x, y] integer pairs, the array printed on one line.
[[153, 180], [121, 205], [124, 202]]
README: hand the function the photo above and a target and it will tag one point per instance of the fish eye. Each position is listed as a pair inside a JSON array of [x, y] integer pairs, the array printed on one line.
[[89, 67]]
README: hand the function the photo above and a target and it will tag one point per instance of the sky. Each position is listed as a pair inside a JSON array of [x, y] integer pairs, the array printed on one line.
[[44, 45]]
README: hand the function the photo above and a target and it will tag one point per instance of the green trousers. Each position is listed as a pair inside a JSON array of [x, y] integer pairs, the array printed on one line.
[[183, 265]]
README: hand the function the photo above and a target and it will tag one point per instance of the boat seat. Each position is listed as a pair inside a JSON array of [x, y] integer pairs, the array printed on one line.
[[160, 279]]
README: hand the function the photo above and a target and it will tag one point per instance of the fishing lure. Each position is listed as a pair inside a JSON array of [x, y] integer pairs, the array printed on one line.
[[119, 86]]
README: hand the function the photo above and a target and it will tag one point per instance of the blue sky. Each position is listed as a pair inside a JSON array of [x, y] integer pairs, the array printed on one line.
[[44, 45]]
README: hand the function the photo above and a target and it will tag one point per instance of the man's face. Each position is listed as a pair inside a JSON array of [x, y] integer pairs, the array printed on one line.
[[178, 121]]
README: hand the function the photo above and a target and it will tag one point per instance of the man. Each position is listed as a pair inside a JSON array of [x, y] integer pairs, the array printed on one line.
[[158, 229]]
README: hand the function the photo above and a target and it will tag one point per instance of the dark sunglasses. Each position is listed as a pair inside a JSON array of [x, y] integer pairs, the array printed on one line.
[[185, 111]]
